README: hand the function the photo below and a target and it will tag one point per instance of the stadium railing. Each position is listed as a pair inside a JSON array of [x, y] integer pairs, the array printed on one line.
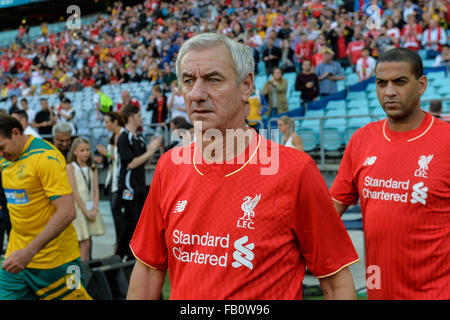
[[321, 131]]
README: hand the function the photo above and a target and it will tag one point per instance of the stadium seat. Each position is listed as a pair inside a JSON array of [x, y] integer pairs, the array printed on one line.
[[444, 82], [357, 103], [336, 123], [259, 81], [374, 103], [336, 104], [371, 87], [446, 106], [315, 113], [372, 94], [313, 124], [430, 94], [332, 139], [341, 85], [348, 133], [351, 79], [335, 112], [356, 95], [360, 110], [422, 53], [444, 92], [438, 75], [309, 138], [358, 122], [428, 63]]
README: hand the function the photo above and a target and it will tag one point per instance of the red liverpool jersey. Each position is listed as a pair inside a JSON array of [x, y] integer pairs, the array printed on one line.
[[403, 182], [244, 230]]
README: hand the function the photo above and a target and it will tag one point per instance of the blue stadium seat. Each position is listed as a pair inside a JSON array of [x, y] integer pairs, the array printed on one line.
[[374, 103], [371, 87], [444, 92], [336, 104], [335, 112], [430, 94], [428, 63], [293, 103], [356, 95], [341, 85], [315, 113], [359, 110], [358, 122], [348, 133], [336, 123], [259, 81], [351, 79], [437, 75], [332, 139], [372, 95], [357, 103], [446, 106], [422, 53], [444, 82], [312, 124], [309, 138]]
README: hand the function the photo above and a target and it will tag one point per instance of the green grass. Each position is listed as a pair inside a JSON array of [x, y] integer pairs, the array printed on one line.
[[166, 288]]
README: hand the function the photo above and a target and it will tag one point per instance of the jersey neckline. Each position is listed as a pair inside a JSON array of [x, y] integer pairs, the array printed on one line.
[[411, 135], [228, 167]]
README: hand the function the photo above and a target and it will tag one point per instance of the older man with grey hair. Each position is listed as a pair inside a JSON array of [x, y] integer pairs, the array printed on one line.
[[61, 133], [223, 226]]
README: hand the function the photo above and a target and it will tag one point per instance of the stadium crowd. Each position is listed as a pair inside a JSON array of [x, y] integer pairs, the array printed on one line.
[[130, 44], [314, 39]]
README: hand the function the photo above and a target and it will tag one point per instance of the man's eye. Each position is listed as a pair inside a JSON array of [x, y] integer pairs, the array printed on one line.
[[187, 81], [213, 80]]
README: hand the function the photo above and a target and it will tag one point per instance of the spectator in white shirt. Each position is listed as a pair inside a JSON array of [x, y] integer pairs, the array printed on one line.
[[22, 116], [444, 58], [365, 66], [433, 39], [30, 112]]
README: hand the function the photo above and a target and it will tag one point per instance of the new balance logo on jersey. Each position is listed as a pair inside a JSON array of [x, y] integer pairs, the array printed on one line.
[[180, 206], [370, 161], [419, 193], [248, 206], [423, 162], [243, 254]]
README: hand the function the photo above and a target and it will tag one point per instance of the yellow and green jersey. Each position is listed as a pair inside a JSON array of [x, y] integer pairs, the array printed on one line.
[[31, 183]]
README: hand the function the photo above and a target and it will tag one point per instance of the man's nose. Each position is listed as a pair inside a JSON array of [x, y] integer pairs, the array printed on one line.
[[199, 91], [391, 91]]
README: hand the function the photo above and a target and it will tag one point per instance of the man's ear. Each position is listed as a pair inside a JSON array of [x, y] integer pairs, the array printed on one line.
[[423, 84], [15, 132], [247, 86]]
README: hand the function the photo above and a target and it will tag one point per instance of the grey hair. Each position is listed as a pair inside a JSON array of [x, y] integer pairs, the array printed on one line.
[[61, 127], [241, 55]]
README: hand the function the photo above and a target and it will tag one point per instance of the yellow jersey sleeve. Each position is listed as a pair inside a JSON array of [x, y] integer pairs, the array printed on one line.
[[51, 169]]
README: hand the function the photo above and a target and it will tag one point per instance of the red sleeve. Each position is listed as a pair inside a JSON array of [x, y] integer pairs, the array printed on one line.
[[344, 189], [148, 243], [324, 242], [297, 48]]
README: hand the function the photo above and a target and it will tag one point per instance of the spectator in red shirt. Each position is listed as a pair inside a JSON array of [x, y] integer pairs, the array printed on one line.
[[411, 34], [305, 48], [126, 100], [355, 47]]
